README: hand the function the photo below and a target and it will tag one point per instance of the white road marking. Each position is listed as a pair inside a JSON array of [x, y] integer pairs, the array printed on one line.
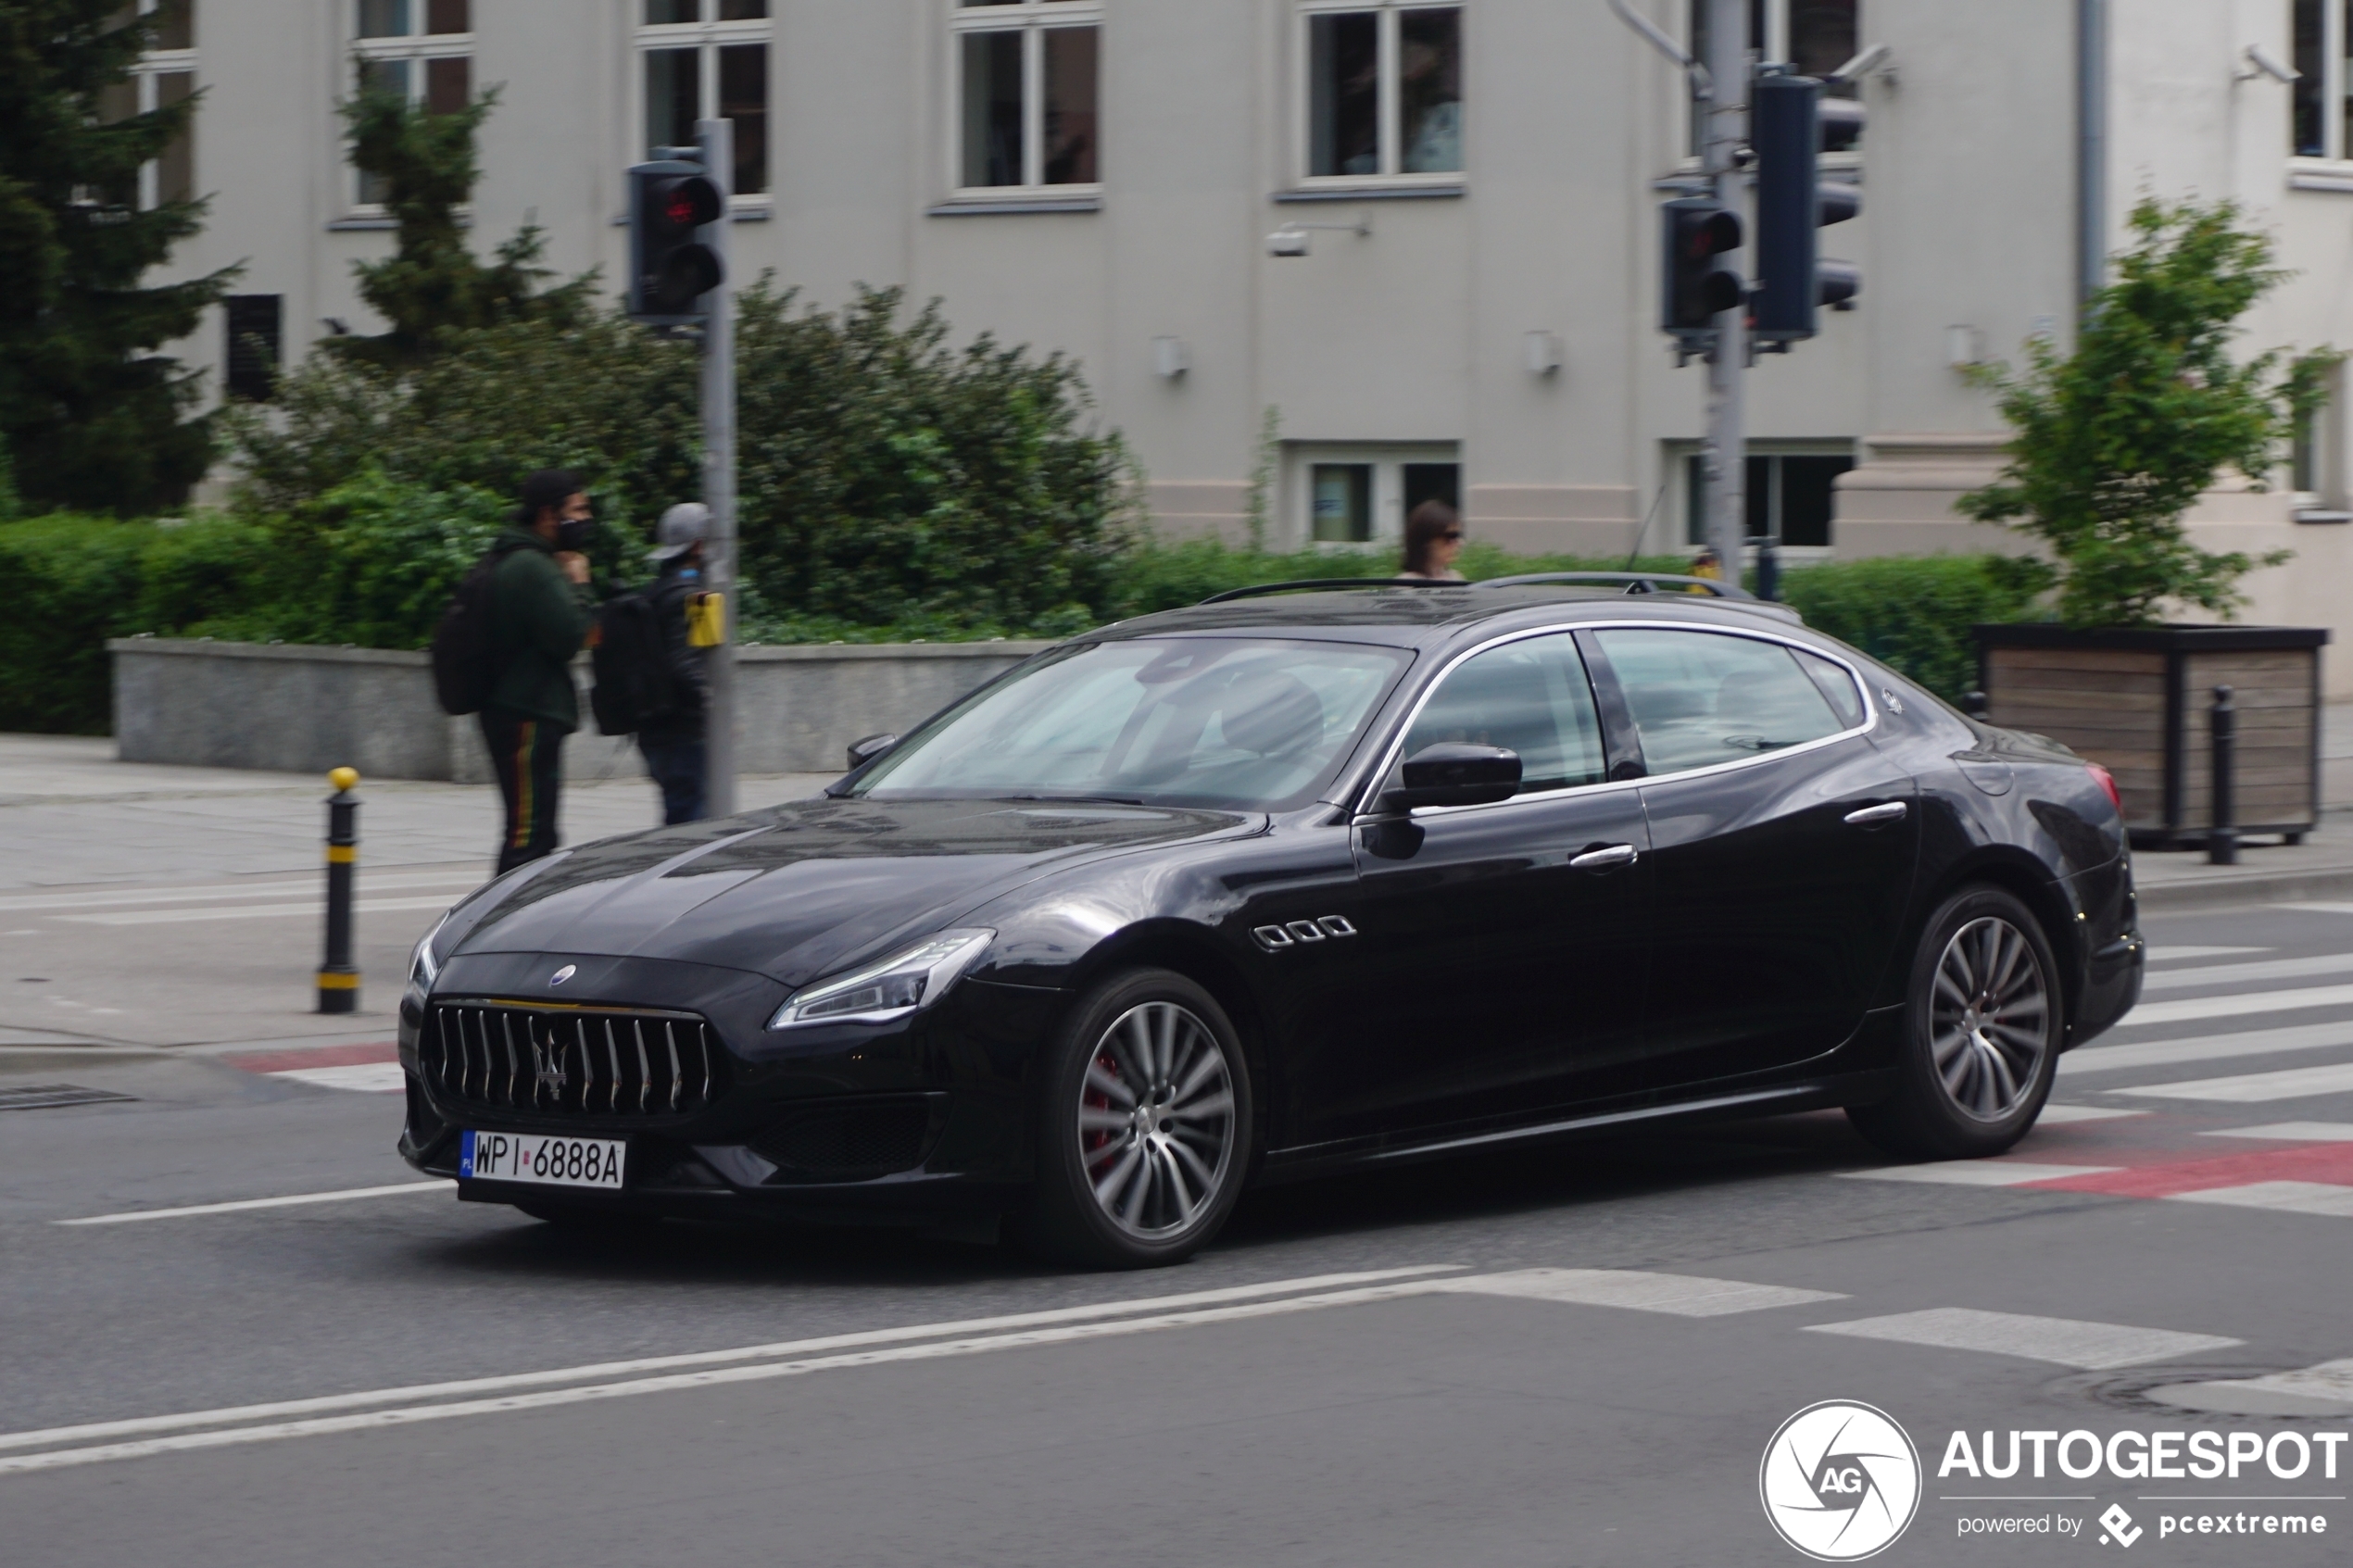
[[2183, 955], [254, 911], [307, 888], [1976, 1173], [2191, 1008], [2206, 1047], [2251, 1087], [127, 1216], [2289, 1132], [2265, 968], [1687, 1296], [375, 1077], [2066, 1341], [2321, 909], [2060, 1115], [2288, 1197]]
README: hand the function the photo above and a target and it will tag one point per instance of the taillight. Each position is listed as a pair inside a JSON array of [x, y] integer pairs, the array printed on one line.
[[2106, 781]]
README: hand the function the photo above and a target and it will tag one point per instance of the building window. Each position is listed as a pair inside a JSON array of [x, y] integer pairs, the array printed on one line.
[[1384, 92], [707, 59], [1814, 37], [1027, 93], [256, 341], [1792, 494], [421, 50], [165, 75], [1363, 494], [2321, 100]]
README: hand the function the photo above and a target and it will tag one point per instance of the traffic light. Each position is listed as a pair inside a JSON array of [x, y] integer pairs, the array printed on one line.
[[669, 269], [1694, 286], [1791, 126]]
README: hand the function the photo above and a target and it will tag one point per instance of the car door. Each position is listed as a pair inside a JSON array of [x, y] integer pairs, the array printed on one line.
[[1502, 946], [1781, 845]]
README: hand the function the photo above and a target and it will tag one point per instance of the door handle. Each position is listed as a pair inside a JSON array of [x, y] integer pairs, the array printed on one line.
[[1604, 859], [1877, 815]]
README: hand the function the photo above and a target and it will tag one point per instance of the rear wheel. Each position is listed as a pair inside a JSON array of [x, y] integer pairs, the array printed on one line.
[[1143, 1125], [1982, 1032]]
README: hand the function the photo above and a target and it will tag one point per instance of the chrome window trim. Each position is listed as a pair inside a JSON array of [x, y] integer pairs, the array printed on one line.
[[1396, 743]]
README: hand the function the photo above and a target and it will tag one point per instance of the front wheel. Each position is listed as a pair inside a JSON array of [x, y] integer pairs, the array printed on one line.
[[1143, 1125], [1982, 1032]]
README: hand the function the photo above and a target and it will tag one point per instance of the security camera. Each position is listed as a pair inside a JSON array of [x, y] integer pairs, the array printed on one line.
[[1288, 240], [2260, 62]]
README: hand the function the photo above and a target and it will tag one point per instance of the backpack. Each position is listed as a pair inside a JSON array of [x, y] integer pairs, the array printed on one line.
[[465, 648], [632, 664]]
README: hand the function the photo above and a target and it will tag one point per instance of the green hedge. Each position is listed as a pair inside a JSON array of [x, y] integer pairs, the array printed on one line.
[[1914, 612], [77, 581]]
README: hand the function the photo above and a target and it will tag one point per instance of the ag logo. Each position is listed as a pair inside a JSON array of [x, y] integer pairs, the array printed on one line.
[[1840, 1481]]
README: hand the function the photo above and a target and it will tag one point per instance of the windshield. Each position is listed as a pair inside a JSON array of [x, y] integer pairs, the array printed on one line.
[[1246, 722]]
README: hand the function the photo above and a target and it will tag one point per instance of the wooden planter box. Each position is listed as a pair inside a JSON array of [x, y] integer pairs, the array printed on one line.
[[2136, 700]]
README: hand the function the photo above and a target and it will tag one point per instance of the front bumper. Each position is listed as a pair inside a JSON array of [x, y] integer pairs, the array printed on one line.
[[846, 1121]]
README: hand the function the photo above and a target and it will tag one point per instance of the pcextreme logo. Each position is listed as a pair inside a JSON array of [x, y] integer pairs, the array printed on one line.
[[1840, 1481]]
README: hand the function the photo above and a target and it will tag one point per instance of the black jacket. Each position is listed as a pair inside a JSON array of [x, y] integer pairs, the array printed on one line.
[[689, 667]]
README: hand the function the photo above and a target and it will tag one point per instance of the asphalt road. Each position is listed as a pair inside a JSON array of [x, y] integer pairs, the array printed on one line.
[[1567, 1357]]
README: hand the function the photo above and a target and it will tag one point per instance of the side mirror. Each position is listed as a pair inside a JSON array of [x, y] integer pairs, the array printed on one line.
[[1454, 773], [865, 752]]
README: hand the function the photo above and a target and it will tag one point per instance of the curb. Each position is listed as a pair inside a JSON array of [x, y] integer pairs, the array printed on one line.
[[49, 1058], [2227, 890]]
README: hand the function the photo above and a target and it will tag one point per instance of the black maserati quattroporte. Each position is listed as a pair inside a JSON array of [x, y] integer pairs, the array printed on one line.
[[1282, 885]]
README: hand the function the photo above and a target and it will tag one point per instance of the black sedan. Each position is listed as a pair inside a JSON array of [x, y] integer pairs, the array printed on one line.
[[1282, 885]]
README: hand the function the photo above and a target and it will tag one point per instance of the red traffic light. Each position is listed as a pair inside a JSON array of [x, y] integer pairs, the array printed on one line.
[[1711, 235], [688, 201]]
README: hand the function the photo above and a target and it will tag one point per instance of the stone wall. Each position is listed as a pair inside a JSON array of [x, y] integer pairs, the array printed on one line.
[[296, 708]]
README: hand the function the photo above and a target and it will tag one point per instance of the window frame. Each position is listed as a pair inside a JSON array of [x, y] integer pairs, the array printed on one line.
[[706, 38], [1680, 452], [146, 81], [2334, 162], [1033, 20], [419, 47], [1366, 793], [1775, 47], [1389, 114], [1387, 459]]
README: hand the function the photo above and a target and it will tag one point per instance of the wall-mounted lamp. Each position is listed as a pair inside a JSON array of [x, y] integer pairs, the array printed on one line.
[[1543, 351], [2261, 63], [1291, 238], [1878, 58], [1964, 346], [1170, 359]]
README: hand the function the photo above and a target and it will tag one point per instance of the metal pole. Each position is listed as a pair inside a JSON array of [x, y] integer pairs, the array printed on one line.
[[2221, 836], [1725, 456], [338, 977], [717, 139]]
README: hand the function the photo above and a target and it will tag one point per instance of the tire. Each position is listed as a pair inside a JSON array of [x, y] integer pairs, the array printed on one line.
[[1971, 1079], [1144, 1126]]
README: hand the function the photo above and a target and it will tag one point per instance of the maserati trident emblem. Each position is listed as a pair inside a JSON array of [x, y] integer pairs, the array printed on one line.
[[563, 974], [549, 1061]]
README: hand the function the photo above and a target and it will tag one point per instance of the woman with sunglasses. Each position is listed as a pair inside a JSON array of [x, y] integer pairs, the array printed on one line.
[[1433, 538]]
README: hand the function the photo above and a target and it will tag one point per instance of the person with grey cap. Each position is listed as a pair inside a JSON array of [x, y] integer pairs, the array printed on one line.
[[673, 743]]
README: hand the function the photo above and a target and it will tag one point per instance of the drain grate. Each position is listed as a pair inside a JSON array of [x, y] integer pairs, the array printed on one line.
[[42, 1096]]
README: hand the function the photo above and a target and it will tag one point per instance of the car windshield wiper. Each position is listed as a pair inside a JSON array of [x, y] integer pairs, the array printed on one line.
[[1079, 799]]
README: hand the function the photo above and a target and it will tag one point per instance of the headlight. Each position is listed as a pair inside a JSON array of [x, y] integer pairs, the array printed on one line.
[[912, 978], [424, 963]]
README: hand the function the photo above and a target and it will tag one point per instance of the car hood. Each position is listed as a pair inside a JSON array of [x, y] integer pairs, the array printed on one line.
[[805, 889]]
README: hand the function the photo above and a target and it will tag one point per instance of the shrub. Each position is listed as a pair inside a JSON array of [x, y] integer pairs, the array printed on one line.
[[76, 581], [1914, 612]]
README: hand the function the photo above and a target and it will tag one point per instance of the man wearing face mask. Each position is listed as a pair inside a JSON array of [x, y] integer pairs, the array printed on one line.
[[672, 741], [540, 614]]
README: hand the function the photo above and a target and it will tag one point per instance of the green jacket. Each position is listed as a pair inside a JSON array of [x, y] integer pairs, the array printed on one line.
[[539, 620]]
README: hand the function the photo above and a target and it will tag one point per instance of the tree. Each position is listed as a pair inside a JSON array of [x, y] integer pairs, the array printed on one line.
[[2115, 441], [433, 283], [92, 415]]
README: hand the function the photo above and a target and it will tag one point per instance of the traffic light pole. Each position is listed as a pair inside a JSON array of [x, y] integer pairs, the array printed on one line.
[[717, 139], [1724, 459]]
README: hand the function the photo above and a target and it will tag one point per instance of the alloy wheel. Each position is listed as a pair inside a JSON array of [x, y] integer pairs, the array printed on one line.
[[1156, 1125], [1989, 1019]]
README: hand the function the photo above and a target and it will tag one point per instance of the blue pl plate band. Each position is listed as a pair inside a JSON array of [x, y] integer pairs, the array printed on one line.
[[465, 1157]]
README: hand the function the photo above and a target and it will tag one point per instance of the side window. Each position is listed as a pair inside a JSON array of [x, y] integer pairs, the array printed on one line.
[[1532, 696], [1837, 687], [1699, 698]]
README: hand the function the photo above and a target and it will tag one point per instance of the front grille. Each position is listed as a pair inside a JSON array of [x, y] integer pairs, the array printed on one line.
[[585, 1062], [862, 1138]]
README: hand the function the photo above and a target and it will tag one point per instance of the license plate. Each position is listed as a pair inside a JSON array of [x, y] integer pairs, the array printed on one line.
[[545, 1161]]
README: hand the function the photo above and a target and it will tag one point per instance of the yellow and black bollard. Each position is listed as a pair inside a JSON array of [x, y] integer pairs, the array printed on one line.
[[338, 978]]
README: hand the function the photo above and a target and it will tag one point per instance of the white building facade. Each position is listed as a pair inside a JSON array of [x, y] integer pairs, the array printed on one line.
[[1476, 183]]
